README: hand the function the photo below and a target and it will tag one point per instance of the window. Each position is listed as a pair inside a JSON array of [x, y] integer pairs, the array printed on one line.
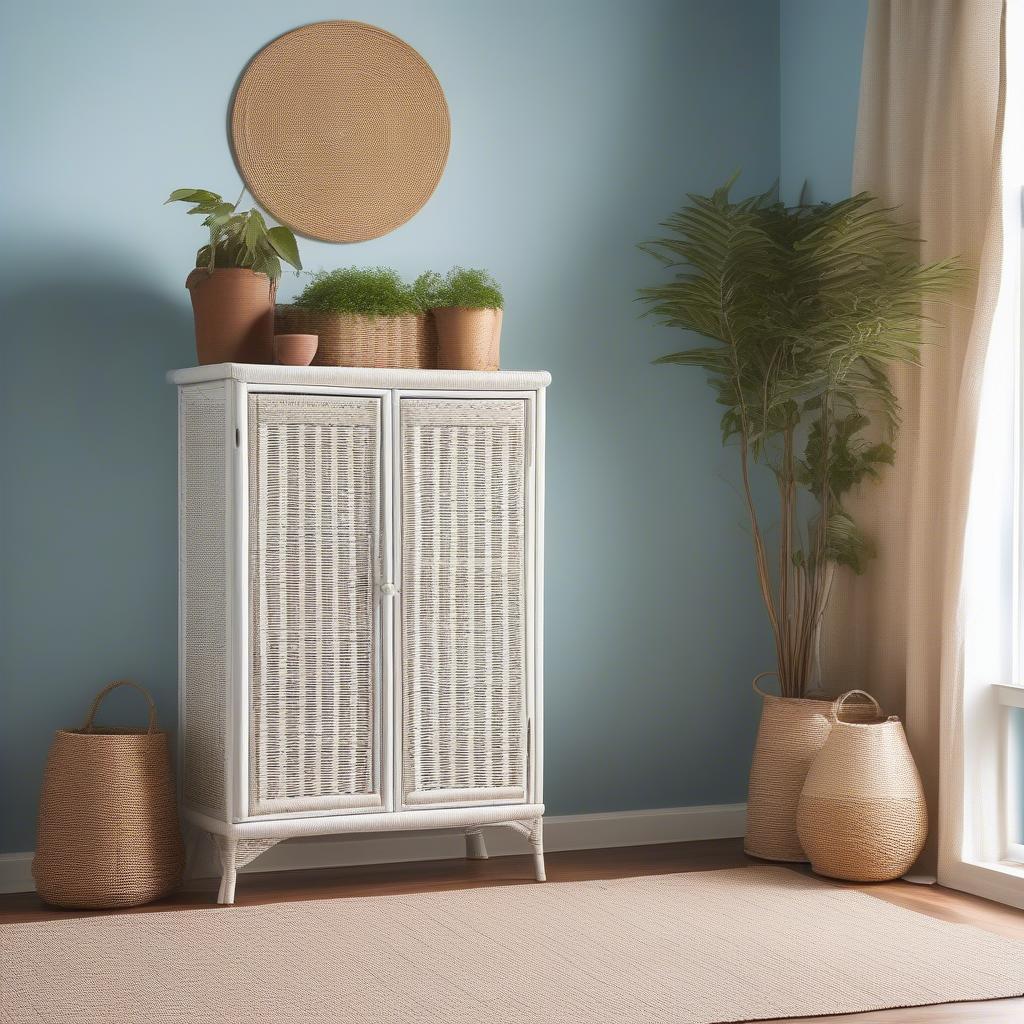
[[992, 855], [1010, 325], [1011, 697]]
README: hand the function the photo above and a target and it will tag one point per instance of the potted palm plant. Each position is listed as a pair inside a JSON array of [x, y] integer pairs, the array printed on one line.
[[235, 279], [804, 309]]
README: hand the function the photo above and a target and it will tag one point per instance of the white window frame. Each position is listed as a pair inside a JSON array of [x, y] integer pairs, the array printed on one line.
[[1011, 765], [1011, 695]]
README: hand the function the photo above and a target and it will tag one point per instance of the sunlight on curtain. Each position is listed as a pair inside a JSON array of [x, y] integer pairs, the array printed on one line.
[[928, 132], [993, 596]]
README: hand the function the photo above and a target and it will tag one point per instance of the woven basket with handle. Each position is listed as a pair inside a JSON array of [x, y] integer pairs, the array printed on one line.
[[349, 339], [108, 821], [862, 814]]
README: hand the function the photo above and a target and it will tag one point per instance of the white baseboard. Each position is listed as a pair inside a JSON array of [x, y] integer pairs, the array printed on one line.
[[16, 872], [566, 832]]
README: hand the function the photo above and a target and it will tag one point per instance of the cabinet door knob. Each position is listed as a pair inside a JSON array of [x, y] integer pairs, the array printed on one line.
[[388, 589]]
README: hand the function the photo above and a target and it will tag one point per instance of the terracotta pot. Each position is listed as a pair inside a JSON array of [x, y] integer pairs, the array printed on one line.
[[862, 814], [295, 349], [234, 312], [468, 339]]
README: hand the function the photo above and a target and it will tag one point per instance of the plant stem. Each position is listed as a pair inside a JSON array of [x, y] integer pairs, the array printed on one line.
[[760, 557]]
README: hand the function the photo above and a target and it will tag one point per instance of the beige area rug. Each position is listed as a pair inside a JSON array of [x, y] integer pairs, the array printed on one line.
[[687, 948]]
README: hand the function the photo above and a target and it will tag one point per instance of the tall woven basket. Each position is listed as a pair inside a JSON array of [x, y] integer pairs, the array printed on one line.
[[108, 821], [862, 814], [791, 732], [348, 339]]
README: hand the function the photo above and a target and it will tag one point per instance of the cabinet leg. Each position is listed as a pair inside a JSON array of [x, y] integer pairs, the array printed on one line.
[[235, 853], [534, 831], [537, 842], [227, 886], [476, 848], [227, 847]]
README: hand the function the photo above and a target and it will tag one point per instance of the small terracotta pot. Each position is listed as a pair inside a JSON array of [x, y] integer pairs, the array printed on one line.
[[295, 349], [234, 313], [468, 339]]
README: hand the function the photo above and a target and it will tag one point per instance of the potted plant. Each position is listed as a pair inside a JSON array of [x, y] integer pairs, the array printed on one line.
[[467, 307], [805, 309], [235, 279], [365, 316]]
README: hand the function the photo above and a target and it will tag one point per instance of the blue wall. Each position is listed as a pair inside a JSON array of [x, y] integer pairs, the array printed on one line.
[[577, 126], [821, 42]]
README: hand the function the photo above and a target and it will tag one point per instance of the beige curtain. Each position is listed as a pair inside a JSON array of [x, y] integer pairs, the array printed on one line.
[[928, 141]]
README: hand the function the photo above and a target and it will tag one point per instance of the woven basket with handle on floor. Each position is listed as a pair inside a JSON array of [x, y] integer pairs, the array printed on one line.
[[862, 814], [108, 821]]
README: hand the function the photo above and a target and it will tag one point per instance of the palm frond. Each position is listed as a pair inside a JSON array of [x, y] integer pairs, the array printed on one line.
[[806, 309]]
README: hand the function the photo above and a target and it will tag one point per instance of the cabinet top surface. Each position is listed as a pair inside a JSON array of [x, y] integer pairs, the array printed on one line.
[[364, 377]]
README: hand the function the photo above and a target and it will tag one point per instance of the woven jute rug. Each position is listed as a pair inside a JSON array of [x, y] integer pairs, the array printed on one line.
[[698, 947]]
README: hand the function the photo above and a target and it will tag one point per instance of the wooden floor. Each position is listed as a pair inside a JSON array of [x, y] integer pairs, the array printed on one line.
[[579, 865]]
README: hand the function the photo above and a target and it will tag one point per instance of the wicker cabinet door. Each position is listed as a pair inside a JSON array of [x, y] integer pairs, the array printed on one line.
[[463, 465], [314, 535]]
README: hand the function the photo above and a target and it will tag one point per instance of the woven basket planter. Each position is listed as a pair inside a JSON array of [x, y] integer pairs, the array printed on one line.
[[791, 732], [862, 814], [349, 339], [108, 820]]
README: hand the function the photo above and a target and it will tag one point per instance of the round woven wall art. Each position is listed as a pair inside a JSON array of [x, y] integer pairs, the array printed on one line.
[[340, 130]]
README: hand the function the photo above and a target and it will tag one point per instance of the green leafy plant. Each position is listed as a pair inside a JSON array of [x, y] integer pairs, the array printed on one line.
[[238, 239], [371, 291], [807, 308], [427, 289], [459, 288]]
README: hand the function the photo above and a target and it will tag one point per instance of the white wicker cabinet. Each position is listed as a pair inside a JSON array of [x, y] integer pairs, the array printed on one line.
[[360, 557]]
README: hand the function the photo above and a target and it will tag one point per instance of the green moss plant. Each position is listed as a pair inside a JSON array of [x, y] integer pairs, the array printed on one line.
[[370, 291], [459, 288]]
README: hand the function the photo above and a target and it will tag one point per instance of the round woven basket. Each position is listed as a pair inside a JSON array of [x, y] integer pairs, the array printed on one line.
[[349, 339], [862, 814], [108, 821]]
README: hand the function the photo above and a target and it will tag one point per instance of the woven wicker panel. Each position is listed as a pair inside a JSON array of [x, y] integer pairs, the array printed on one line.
[[463, 594], [341, 130], [314, 528], [203, 466]]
